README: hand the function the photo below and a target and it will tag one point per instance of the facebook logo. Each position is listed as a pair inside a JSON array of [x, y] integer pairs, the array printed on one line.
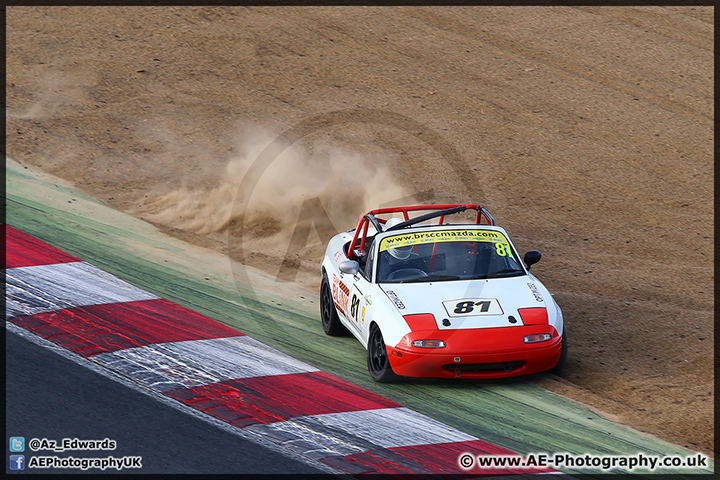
[[17, 462], [17, 444]]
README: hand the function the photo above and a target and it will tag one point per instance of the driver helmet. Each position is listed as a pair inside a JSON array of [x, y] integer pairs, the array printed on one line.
[[401, 253]]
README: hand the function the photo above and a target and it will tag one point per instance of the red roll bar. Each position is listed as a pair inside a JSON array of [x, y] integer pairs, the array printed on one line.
[[439, 211]]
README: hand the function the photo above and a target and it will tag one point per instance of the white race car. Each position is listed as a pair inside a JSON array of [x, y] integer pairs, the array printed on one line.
[[440, 300]]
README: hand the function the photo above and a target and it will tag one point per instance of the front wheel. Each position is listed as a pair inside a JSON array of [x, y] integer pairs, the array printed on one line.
[[328, 315], [377, 359]]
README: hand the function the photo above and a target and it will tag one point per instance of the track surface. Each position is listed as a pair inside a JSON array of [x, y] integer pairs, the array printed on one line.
[[514, 415], [49, 396]]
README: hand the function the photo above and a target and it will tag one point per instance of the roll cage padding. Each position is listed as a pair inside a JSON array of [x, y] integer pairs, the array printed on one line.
[[360, 238]]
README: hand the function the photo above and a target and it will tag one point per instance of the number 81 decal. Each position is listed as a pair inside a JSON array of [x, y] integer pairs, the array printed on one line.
[[503, 249], [468, 306], [354, 304], [472, 306]]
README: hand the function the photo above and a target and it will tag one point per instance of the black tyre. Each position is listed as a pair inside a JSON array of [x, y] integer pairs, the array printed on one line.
[[377, 358], [557, 369], [330, 320]]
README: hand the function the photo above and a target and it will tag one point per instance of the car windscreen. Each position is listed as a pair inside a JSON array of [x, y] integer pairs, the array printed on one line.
[[445, 255]]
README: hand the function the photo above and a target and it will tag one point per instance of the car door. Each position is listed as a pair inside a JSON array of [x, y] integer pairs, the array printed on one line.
[[355, 311], [357, 303], [363, 288]]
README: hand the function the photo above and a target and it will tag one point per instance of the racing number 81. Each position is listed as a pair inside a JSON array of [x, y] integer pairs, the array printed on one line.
[[503, 250], [467, 307], [354, 304]]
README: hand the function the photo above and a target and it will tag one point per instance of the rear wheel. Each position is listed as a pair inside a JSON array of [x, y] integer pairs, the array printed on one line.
[[557, 369], [328, 315], [377, 358]]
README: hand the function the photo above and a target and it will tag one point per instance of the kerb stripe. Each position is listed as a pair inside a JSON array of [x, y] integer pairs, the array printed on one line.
[[44, 288], [168, 366], [385, 428], [96, 329], [275, 398], [22, 250]]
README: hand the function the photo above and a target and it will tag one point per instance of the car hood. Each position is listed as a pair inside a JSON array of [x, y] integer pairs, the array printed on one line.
[[469, 303]]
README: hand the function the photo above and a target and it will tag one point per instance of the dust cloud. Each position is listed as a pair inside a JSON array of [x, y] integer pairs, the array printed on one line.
[[346, 183]]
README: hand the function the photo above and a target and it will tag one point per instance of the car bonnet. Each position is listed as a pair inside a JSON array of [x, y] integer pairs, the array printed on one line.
[[469, 303]]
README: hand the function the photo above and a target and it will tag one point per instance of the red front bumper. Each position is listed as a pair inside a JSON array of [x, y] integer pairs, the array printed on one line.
[[477, 353]]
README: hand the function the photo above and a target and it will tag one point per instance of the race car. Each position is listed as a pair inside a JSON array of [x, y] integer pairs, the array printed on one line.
[[428, 298]]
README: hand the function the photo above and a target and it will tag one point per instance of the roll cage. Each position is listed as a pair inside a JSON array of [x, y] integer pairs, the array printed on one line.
[[358, 245]]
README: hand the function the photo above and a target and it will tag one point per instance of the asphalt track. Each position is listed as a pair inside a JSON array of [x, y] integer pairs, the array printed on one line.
[[514, 414], [49, 396]]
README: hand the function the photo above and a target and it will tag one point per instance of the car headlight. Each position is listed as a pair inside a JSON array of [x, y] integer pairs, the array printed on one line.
[[537, 337], [428, 343]]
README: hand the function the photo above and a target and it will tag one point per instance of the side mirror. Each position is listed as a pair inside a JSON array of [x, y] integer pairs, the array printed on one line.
[[531, 258], [350, 267]]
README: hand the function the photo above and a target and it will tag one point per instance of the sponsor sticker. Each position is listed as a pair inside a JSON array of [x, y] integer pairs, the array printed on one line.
[[341, 294], [395, 299], [535, 291], [502, 244]]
